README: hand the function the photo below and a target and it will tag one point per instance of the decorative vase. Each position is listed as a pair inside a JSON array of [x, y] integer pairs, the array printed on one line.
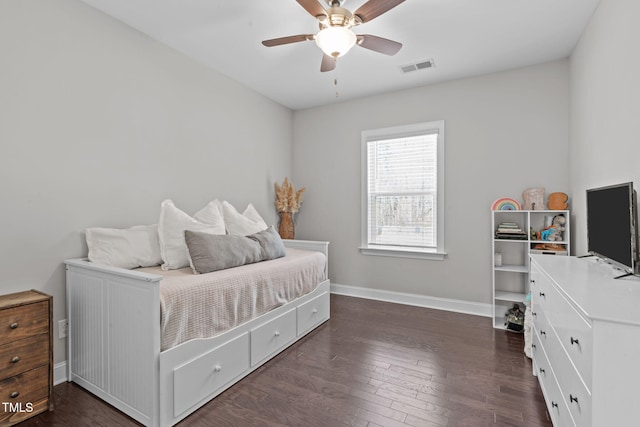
[[286, 228]]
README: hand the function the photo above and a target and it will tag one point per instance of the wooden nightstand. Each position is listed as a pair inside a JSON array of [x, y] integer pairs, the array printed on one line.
[[26, 356]]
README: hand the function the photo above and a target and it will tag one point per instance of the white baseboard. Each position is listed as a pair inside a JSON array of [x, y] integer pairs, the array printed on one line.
[[458, 306], [59, 373]]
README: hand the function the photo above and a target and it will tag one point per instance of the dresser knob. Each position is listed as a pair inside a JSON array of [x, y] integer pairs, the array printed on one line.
[[573, 399], [314, 311], [533, 346], [542, 294], [15, 359], [542, 371], [543, 333], [554, 404], [533, 313], [14, 394], [277, 334], [217, 368], [574, 341], [14, 325]]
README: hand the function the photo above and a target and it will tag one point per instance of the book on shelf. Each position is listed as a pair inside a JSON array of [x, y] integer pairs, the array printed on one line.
[[512, 236], [510, 230]]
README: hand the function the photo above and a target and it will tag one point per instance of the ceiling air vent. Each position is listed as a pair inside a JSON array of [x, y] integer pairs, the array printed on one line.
[[421, 65]]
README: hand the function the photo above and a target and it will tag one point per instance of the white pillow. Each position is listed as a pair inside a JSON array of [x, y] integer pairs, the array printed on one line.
[[248, 222], [133, 247], [173, 222]]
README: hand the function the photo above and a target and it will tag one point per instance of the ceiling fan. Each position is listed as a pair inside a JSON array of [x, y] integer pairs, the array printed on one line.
[[336, 37]]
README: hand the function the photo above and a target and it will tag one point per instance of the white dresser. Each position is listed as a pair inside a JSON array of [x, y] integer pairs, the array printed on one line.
[[586, 341]]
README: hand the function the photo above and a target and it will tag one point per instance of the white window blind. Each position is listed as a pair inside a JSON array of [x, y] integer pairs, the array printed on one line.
[[402, 186]]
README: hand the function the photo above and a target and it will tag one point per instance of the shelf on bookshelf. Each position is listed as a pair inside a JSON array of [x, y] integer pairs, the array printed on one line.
[[513, 268], [510, 296]]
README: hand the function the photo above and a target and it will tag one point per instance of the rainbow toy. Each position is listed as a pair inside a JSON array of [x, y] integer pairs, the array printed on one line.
[[506, 204]]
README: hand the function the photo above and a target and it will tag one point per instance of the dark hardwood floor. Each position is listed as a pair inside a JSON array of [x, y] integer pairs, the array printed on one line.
[[373, 364]]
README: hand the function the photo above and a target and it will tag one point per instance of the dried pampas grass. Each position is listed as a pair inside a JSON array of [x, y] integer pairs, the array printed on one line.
[[287, 198]]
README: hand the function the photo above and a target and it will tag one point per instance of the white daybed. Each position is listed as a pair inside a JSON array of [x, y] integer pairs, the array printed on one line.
[[114, 342]]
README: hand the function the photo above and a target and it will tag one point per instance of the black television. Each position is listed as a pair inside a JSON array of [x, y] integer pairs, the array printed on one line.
[[611, 225]]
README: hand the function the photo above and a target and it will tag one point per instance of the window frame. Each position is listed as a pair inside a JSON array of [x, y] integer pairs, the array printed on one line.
[[367, 136]]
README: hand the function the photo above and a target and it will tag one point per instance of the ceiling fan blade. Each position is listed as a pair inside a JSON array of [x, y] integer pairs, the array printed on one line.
[[378, 44], [289, 39], [328, 63], [374, 8], [314, 8]]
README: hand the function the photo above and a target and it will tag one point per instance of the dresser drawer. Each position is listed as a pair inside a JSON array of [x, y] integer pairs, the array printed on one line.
[[27, 387], [542, 328], [574, 392], [272, 336], [312, 313], [23, 355], [23, 321], [575, 334], [203, 376], [556, 405], [539, 290]]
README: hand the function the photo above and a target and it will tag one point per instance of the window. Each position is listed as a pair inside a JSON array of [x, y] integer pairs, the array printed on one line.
[[403, 191]]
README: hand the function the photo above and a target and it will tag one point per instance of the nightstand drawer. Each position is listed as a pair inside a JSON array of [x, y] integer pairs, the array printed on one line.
[[23, 355], [21, 322], [27, 387]]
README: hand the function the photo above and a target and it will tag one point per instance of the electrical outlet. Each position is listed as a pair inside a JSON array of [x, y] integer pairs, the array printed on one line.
[[63, 325]]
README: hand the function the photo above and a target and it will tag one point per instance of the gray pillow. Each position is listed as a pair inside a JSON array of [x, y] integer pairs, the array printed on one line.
[[212, 252], [270, 242]]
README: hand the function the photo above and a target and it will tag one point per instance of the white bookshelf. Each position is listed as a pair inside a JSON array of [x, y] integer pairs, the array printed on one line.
[[511, 278]]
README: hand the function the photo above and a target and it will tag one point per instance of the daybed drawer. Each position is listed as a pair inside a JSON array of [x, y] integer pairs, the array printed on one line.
[[201, 377], [272, 336], [312, 313]]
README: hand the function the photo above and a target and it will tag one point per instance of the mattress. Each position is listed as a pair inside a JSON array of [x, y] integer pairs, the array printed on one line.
[[205, 305]]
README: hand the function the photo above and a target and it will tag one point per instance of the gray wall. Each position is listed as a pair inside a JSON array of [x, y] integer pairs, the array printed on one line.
[[99, 124], [504, 132], [605, 106]]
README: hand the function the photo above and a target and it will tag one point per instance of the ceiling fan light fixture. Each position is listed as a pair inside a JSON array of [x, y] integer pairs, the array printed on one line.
[[335, 41]]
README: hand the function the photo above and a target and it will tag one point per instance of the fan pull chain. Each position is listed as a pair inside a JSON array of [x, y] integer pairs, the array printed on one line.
[[335, 83]]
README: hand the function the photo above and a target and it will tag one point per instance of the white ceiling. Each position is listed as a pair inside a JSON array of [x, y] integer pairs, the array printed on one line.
[[463, 37]]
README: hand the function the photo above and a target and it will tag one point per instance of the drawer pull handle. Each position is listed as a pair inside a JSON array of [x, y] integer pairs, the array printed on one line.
[[533, 313], [543, 333], [15, 359], [573, 399], [554, 404], [14, 394], [542, 371], [14, 325], [277, 334], [533, 346], [217, 368], [574, 341], [532, 281], [542, 294], [314, 311]]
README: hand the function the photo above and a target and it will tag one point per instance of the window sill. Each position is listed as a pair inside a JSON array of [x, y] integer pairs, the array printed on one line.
[[403, 252]]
